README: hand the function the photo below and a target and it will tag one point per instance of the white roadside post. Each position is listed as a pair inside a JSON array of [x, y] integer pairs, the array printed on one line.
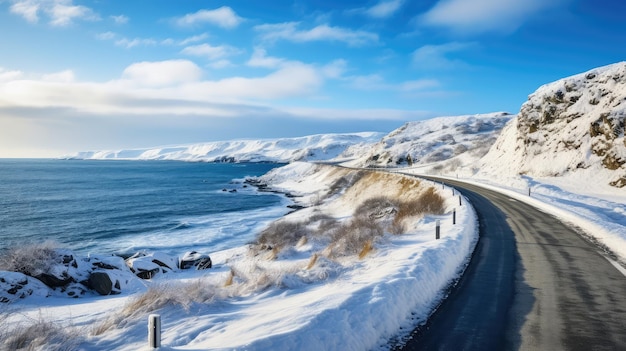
[[437, 230], [154, 331]]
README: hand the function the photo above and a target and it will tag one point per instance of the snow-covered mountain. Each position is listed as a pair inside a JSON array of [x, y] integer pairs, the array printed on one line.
[[307, 148], [573, 125], [438, 144]]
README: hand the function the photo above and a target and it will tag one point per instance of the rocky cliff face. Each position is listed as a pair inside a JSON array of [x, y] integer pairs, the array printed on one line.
[[576, 123]]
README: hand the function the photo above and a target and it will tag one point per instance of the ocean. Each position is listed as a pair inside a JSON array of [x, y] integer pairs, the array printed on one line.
[[123, 207]]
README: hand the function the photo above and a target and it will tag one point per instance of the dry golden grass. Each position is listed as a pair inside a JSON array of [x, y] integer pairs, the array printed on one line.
[[429, 202], [408, 184], [367, 248], [312, 261], [229, 280]]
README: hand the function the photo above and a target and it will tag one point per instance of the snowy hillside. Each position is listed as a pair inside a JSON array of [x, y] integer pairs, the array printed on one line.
[[438, 143], [307, 148], [571, 126]]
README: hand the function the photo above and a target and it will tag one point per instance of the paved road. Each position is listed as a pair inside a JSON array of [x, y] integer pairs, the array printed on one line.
[[533, 284]]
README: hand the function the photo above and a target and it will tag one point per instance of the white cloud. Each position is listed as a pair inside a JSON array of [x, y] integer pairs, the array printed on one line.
[[479, 16], [293, 79], [194, 39], [335, 69], [121, 19], [435, 56], [9, 75], [131, 43], [260, 59], [135, 42], [322, 32], [27, 9], [63, 15], [60, 12], [384, 9], [223, 17], [66, 76], [162, 73], [210, 52], [172, 87]]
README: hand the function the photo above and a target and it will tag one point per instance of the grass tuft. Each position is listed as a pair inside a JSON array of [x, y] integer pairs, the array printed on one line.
[[367, 248], [36, 334], [312, 261], [31, 259]]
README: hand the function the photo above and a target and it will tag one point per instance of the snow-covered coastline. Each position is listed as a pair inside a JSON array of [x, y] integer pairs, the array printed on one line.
[[279, 303]]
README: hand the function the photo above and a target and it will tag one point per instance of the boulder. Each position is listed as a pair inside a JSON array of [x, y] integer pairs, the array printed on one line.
[[195, 259], [100, 282], [55, 281], [145, 265]]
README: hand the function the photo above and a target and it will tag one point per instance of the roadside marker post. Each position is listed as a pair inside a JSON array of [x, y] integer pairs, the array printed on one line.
[[460, 201], [454, 216], [154, 331], [437, 230]]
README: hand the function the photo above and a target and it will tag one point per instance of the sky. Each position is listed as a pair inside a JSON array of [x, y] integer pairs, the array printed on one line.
[[98, 75]]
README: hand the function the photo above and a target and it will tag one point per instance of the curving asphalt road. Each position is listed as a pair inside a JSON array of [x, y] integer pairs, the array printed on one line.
[[533, 284]]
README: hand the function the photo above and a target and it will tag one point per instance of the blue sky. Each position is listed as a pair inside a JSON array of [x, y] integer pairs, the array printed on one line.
[[87, 75]]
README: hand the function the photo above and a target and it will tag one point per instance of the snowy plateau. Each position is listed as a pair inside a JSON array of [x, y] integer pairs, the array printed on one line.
[[566, 146]]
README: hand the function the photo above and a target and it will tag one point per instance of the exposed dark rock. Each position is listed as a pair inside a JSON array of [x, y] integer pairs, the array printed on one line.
[[101, 283], [103, 265], [55, 281], [147, 274], [195, 259]]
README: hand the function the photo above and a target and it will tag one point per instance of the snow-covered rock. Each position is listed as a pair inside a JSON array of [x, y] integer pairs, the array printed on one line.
[[195, 259], [572, 125], [307, 148], [15, 286], [146, 265]]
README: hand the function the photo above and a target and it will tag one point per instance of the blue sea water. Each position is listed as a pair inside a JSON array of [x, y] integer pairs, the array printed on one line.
[[121, 207]]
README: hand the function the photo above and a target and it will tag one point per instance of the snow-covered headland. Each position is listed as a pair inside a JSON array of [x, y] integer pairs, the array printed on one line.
[[307, 148]]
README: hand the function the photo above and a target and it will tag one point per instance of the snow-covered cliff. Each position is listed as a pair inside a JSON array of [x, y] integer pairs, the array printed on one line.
[[573, 125]]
